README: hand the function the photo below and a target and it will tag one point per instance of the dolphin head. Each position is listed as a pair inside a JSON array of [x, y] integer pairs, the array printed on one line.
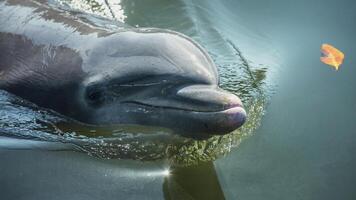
[[157, 78]]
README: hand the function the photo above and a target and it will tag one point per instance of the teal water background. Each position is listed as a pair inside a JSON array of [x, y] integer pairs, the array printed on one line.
[[305, 148]]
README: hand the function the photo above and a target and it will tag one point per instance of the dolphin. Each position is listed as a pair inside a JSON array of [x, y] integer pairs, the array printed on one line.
[[101, 72]]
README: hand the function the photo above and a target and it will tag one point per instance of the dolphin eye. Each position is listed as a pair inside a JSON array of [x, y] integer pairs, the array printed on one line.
[[95, 97]]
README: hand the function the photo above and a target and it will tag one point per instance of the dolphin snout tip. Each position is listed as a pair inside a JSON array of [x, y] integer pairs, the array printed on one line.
[[236, 113], [236, 116]]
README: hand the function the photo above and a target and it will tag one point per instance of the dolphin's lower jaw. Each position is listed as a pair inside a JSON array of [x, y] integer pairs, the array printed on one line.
[[202, 122]]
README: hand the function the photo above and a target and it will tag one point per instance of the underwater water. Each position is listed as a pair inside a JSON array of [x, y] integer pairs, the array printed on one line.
[[268, 54]]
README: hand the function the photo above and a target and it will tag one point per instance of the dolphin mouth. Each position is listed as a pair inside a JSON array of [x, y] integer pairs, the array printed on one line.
[[194, 122], [192, 110], [225, 109]]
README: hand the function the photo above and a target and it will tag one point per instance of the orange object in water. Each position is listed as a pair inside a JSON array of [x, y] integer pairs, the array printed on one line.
[[331, 56]]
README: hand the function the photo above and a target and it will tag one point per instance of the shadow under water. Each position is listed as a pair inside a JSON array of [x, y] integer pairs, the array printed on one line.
[[193, 182]]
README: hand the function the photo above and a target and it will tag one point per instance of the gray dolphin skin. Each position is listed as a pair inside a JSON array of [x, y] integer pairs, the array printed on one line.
[[100, 72]]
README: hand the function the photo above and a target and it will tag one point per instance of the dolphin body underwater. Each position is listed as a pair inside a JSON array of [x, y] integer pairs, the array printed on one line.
[[99, 72]]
